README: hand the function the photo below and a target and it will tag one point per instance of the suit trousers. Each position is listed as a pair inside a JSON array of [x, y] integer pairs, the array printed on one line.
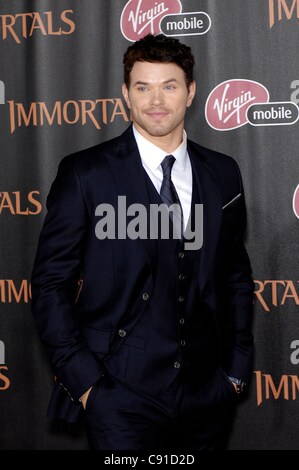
[[186, 417]]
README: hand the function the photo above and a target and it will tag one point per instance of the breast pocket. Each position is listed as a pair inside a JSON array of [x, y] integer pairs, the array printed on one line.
[[234, 202]]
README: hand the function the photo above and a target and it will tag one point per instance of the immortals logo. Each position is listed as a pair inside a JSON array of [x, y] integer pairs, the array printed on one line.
[[296, 202], [18, 203], [275, 293], [15, 292], [141, 17], [285, 387], [21, 26], [227, 104], [97, 112], [4, 380], [283, 9]]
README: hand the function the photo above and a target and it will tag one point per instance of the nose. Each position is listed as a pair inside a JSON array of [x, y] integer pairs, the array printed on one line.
[[157, 97]]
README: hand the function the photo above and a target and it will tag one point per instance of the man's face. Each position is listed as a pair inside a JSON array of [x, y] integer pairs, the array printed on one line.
[[158, 98]]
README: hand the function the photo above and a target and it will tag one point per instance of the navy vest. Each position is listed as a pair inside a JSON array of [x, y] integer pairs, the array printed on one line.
[[172, 338]]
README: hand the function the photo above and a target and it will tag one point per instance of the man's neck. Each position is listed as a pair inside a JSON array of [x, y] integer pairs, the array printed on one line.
[[168, 143]]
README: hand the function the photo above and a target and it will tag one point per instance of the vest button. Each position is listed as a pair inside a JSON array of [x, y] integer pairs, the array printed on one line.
[[183, 342], [181, 254], [145, 296], [181, 298], [182, 321], [181, 277], [122, 333], [176, 365]]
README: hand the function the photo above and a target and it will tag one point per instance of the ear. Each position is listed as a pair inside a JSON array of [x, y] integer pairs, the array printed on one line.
[[125, 93], [191, 93]]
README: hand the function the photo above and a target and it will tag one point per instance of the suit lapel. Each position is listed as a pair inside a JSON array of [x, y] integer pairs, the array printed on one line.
[[130, 181], [211, 199]]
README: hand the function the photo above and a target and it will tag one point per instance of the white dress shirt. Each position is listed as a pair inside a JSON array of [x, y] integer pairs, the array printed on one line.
[[181, 174]]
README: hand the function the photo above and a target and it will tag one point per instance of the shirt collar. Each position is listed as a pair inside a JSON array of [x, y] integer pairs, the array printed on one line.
[[153, 156]]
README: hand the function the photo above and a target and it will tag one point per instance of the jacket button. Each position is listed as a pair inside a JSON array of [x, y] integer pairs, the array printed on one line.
[[183, 342], [122, 333], [181, 298], [176, 365], [182, 321], [181, 254], [181, 277], [145, 296]]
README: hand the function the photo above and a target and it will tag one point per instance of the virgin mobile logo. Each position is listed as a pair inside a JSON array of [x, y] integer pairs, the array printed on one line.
[[296, 202], [186, 24], [140, 17], [226, 106]]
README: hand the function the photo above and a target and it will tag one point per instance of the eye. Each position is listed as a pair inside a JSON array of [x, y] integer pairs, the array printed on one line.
[[141, 88], [170, 87]]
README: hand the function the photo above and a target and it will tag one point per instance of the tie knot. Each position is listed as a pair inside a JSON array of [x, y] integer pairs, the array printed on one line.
[[167, 165]]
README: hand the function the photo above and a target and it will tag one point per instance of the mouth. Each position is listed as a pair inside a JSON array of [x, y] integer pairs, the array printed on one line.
[[157, 114]]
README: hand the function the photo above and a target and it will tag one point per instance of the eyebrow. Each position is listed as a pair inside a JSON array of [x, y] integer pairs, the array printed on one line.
[[139, 82]]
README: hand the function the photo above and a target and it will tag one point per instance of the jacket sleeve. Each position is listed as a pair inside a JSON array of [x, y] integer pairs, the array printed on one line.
[[54, 283], [241, 289]]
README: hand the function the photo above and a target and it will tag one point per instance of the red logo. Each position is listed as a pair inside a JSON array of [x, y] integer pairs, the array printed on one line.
[[226, 106], [140, 17], [296, 202]]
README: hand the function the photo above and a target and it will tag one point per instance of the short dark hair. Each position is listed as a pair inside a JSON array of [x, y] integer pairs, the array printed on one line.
[[159, 49]]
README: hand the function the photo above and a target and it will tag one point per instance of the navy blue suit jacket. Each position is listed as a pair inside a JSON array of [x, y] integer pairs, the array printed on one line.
[[79, 322]]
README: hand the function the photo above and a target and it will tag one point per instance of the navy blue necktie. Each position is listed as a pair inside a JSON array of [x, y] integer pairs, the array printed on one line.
[[169, 195]]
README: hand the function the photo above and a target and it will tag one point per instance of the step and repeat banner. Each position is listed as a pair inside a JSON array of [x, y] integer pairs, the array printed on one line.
[[60, 92]]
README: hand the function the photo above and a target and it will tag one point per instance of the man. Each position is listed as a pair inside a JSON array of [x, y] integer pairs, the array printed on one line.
[[156, 346]]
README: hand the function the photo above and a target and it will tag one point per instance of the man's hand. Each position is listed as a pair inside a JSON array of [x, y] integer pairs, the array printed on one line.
[[84, 398]]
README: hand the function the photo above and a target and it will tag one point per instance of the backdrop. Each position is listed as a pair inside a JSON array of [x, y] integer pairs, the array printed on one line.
[[61, 73]]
